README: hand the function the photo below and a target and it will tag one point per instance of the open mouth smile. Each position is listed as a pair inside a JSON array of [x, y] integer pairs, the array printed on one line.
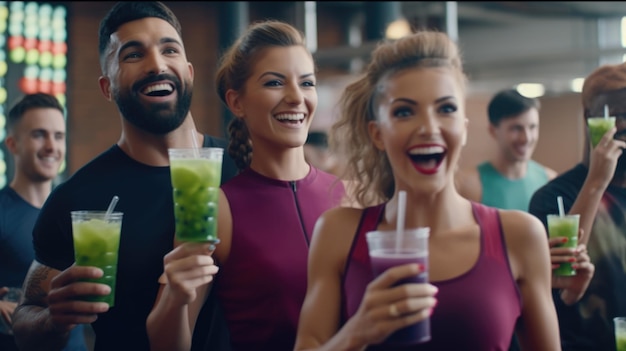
[[161, 89], [426, 159], [294, 119]]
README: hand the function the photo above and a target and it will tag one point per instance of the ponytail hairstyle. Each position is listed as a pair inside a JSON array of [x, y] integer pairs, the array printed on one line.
[[368, 166], [236, 67]]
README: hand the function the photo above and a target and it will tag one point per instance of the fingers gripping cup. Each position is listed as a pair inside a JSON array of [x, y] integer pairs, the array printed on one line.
[[385, 252], [598, 126], [564, 226], [96, 243], [196, 176]]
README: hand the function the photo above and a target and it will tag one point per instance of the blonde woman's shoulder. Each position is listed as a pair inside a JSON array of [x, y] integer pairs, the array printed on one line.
[[526, 239]]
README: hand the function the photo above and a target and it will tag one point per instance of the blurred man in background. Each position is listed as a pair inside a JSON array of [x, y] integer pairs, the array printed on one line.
[[510, 177], [36, 140]]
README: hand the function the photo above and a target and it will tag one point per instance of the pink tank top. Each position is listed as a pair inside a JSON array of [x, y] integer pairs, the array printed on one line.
[[476, 311]]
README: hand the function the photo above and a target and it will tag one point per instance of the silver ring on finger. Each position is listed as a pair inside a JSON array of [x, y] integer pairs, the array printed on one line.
[[393, 310]]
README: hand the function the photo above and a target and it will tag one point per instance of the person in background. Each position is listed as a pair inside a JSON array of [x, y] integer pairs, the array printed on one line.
[[510, 177], [146, 73], [36, 140], [317, 153], [266, 213], [595, 189], [404, 125]]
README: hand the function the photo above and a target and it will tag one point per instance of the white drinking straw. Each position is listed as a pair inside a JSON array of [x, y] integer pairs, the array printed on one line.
[[606, 111], [559, 201], [400, 219], [114, 201], [194, 140]]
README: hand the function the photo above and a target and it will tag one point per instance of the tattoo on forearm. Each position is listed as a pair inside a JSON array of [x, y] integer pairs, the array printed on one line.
[[35, 292]]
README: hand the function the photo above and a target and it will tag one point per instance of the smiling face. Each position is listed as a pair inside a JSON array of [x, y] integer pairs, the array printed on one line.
[[148, 75], [38, 144], [421, 126], [517, 136], [279, 98]]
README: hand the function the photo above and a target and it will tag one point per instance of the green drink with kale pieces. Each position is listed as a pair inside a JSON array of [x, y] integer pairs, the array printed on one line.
[[598, 126], [196, 175], [564, 226], [96, 243]]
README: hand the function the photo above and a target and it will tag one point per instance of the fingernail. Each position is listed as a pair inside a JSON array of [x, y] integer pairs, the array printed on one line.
[[418, 268], [432, 309], [564, 240], [572, 259], [575, 265], [421, 267]]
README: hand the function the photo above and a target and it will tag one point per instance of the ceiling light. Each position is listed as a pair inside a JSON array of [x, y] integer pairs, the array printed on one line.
[[531, 90], [398, 29], [576, 85]]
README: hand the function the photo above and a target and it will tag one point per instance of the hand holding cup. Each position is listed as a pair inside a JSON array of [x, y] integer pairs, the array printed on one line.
[[389, 305]]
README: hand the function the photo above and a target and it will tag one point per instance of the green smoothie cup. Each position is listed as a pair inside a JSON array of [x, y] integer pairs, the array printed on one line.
[[196, 176], [620, 333], [564, 226], [96, 243], [598, 126]]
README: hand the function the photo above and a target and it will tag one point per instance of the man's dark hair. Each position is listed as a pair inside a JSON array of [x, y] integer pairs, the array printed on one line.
[[128, 11], [28, 102], [509, 103]]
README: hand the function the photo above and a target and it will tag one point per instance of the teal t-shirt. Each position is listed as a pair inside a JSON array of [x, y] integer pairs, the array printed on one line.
[[510, 194]]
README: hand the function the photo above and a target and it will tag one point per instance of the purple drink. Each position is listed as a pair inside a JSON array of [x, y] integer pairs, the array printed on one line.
[[381, 260]]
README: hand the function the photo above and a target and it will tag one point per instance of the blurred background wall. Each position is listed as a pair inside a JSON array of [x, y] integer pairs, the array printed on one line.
[[504, 44]]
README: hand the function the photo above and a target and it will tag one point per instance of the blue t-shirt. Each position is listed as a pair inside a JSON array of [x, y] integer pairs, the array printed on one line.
[[17, 218]]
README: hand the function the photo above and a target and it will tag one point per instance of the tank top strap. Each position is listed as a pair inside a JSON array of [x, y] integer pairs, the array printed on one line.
[[369, 222], [359, 253], [492, 237]]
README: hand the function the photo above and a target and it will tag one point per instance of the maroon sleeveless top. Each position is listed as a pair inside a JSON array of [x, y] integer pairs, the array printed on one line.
[[476, 310], [262, 285]]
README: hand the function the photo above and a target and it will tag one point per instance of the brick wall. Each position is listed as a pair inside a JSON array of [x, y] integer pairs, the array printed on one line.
[[94, 122]]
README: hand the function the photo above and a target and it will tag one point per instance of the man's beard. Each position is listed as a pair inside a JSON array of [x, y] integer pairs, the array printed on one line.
[[155, 118]]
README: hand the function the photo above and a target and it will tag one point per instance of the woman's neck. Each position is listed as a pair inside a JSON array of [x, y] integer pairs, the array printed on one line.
[[440, 212], [282, 165]]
